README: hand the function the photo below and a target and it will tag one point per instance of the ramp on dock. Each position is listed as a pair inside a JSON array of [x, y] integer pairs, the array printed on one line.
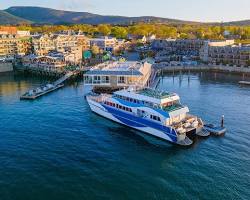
[[154, 79], [64, 78]]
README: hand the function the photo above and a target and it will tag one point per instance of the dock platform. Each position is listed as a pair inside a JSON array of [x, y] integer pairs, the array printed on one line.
[[43, 90], [244, 83], [26, 96]]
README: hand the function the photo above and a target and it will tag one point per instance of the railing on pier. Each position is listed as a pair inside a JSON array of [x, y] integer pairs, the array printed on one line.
[[64, 78]]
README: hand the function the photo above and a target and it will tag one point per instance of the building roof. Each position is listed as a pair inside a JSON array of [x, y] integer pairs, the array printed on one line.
[[8, 29], [117, 68], [114, 73]]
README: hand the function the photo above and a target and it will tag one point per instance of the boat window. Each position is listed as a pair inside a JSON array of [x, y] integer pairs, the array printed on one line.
[[156, 118], [122, 107]]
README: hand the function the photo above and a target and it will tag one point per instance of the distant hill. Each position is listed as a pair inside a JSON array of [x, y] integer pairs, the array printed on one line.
[[239, 23], [41, 15], [7, 18]]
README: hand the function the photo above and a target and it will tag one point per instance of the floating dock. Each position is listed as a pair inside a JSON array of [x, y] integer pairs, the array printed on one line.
[[35, 95], [244, 83], [48, 88]]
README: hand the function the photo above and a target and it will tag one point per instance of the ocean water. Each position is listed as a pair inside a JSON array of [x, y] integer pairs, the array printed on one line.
[[55, 148]]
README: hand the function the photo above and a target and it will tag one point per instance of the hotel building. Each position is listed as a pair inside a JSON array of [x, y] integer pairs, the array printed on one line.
[[13, 42]]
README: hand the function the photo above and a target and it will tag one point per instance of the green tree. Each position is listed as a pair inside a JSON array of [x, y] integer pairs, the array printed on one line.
[[119, 32], [104, 29]]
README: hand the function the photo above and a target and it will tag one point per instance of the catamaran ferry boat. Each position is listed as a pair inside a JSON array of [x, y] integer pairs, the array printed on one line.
[[157, 113]]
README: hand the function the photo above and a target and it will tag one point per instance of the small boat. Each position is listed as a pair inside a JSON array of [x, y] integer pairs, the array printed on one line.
[[217, 130]]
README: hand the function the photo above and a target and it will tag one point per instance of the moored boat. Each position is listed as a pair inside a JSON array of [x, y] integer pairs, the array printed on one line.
[[157, 113]]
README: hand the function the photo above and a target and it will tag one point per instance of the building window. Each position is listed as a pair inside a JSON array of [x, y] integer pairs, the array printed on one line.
[[105, 79], [121, 80], [97, 80]]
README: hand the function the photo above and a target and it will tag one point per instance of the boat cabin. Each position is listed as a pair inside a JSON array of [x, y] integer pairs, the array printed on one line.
[[160, 106]]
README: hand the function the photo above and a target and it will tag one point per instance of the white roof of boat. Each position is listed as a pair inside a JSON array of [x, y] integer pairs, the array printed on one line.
[[149, 95]]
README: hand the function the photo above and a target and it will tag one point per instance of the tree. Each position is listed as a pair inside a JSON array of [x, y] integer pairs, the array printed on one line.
[[183, 36], [104, 29], [119, 32]]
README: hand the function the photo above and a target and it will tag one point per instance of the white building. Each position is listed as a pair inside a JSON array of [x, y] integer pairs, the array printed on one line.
[[119, 74], [104, 43]]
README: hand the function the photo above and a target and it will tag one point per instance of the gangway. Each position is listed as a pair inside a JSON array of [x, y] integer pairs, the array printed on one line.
[[64, 78]]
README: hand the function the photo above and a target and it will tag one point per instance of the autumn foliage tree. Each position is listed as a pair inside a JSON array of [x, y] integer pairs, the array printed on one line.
[[183, 31]]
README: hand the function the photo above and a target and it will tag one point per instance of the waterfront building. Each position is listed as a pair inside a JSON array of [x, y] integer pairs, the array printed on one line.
[[43, 44], [225, 53], [178, 44], [234, 55], [118, 74], [12, 45], [204, 50], [188, 48], [49, 63]]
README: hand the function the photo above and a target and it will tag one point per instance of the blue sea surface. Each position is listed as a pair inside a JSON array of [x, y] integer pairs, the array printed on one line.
[[56, 148]]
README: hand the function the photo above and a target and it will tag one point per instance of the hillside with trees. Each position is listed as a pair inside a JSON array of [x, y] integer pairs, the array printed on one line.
[[160, 30]]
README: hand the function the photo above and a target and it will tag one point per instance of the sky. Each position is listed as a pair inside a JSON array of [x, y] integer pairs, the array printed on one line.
[[195, 10]]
